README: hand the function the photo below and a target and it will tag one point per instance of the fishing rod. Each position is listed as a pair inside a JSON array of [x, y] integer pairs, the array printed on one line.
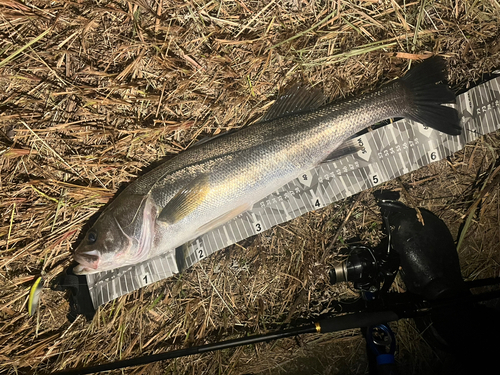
[[417, 244], [334, 324]]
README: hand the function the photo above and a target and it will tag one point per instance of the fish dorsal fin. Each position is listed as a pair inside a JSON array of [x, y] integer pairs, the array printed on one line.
[[298, 98], [351, 146], [210, 139], [185, 201]]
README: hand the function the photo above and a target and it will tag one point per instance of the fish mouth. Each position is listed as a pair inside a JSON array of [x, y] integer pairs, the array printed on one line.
[[88, 261]]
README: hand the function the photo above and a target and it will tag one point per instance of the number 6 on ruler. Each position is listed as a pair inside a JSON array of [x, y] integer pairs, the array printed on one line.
[[433, 155]]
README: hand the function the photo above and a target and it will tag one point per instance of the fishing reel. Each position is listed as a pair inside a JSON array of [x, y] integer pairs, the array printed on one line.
[[362, 268], [420, 246], [417, 243]]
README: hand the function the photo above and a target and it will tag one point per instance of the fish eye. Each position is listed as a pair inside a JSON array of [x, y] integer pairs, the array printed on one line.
[[92, 237]]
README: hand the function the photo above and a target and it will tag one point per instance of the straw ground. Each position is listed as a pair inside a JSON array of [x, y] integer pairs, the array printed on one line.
[[93, 92]]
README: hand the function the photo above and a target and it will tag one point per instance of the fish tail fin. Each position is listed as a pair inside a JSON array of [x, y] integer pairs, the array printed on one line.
[[426, 97]]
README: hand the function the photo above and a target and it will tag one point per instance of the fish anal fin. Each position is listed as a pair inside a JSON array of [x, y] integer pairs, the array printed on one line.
[[222, 219], [181, 252], [349, 147], [185, 201], [298, 98]]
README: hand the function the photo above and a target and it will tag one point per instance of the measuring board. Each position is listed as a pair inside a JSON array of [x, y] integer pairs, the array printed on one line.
[[388, 152]]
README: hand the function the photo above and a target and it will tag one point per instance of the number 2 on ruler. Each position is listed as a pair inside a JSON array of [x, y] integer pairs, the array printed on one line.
[[200, 253]]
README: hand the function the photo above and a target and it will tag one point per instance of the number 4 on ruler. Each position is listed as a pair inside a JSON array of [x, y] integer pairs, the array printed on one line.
[[317, 203]]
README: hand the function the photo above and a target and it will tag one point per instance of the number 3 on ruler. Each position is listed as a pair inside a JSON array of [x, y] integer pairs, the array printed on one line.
[[258, 227]]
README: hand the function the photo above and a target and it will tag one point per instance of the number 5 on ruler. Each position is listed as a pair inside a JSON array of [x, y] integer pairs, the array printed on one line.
[[375, 179]]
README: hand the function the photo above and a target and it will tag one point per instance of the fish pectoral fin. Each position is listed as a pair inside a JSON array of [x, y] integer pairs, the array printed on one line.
[[185, 201], [349, 147], [298, 98], [222, 219]]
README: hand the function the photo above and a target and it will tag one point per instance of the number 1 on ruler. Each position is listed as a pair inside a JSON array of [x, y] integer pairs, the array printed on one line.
[[145, 278]]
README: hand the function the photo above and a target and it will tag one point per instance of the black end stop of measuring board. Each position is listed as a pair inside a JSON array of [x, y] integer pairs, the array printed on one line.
[[80, 302]]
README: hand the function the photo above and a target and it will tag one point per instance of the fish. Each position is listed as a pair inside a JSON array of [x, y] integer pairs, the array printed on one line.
[[212, 182]]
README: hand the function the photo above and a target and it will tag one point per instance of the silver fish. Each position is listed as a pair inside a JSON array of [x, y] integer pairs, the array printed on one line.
[[211, 183]]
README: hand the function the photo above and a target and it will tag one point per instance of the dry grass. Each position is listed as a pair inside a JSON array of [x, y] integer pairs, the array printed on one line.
[[95, 91]]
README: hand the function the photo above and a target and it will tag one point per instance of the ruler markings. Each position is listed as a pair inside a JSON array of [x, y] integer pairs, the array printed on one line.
[[472, 122], [123, 282], [338, 190], [162, 267], [363, 185], [235, 225], [490, 109], [293, 196], [246, 225], [331, 185], [291, 199], [474, 131], [216, 239], [480, 112], [403, 131], [484, 109], [349, 184], [483, 93], [441, 148], [494, 100], [265, 219], [279, 212], [495, 114], [426, 154], [231, 228]]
